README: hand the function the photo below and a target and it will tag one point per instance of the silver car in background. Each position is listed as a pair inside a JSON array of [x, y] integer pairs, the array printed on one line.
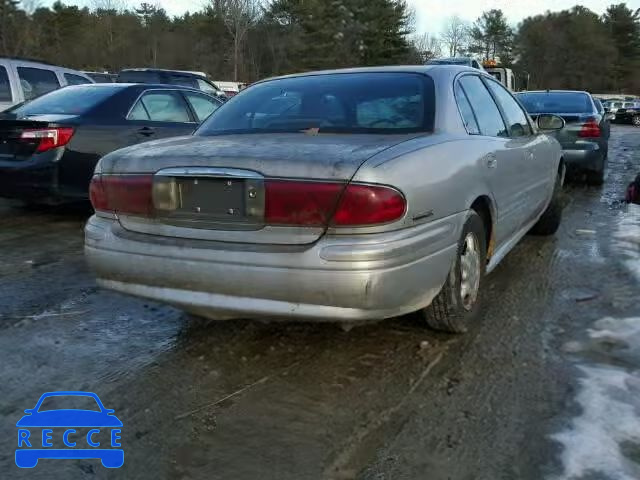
[[585, 139], [344, 195]]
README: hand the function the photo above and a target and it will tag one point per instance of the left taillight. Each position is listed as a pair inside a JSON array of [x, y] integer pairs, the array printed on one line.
[[124, 194], [47, 138]]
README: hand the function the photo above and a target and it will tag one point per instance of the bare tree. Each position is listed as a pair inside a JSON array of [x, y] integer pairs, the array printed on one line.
[[429, 46], [239, 17], [455, 34]]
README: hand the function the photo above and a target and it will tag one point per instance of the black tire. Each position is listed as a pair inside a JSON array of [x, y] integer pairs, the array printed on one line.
[[549, 222], [448, 312], [595, 179], [636, 121]]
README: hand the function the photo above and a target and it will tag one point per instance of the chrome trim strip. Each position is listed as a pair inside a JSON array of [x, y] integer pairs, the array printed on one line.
[[208, 172]]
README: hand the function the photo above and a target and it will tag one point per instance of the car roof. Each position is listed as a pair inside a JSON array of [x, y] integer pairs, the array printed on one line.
[[557, 91], [152, 70], [431, 70], [141, 86]]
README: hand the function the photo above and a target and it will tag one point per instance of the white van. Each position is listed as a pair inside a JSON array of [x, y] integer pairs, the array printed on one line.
[[22, 80]]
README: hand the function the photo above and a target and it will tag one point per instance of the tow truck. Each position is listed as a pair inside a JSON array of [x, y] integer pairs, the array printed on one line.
[[504, 75]]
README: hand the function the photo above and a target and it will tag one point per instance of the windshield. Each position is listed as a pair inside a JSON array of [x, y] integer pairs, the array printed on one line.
[[340, 103], [69, 402], [76, 100], [556, 102]]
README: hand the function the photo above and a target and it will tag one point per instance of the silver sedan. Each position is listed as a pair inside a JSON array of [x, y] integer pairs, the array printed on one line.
[[344, 195]]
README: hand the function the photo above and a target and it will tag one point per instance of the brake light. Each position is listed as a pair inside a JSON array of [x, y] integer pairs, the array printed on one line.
[[300, 203], [369, 205], [47, 138], [591, 129], [320, 203], [125, 194]]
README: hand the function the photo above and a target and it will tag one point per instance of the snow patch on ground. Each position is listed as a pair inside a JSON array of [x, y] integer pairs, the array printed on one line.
[[627, 238], [603, 441]]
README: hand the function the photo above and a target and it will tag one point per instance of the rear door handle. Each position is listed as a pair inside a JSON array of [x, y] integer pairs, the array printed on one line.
[[147, 131], [492, 162]]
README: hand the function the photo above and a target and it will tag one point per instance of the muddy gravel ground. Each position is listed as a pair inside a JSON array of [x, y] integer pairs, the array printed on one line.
[[545, 386]]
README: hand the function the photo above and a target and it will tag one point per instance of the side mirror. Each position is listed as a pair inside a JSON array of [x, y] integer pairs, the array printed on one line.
[[550, 123]]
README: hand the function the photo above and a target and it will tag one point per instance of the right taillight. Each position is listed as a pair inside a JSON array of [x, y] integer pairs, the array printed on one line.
[[590, 129], [126, 194], [300, 203], [363, 204]]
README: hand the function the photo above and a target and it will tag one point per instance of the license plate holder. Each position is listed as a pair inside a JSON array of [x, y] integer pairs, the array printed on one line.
[[212, 197]]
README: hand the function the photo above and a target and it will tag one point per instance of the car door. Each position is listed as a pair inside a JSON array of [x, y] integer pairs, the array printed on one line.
[[502, 166], [536, 174], [160, 113]]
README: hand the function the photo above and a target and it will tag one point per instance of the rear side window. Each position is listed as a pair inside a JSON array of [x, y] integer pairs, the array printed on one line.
[[160, 107], [599, 106], [516, 117], [37, 81], [203, 106], [487, 113], [556, 102], [5, 86], [75, 79], [206, 86], [466, 111]]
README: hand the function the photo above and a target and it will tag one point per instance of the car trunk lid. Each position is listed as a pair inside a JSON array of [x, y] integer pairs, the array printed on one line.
[[215, 188]]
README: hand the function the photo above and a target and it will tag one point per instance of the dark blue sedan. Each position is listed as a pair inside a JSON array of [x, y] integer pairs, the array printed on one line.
[[50, 145]]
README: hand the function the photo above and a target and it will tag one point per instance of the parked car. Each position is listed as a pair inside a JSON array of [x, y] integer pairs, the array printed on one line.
[[102, 77], [230, 89], [195, 80], [346, 195], [49, 147], [585, 139], [629, 113], [22, 80]]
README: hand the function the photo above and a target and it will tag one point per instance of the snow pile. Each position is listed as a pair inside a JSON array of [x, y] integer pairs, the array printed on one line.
[[627, 239], [603, 441]]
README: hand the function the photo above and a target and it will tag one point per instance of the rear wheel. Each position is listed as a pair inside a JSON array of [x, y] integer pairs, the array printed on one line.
[[456, 306], [595, 178], [636, 120]]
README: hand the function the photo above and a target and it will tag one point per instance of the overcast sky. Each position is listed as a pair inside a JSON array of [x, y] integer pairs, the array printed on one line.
[[430, 13]]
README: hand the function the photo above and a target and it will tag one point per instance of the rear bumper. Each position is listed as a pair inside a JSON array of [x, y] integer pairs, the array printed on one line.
[[585, 156], [35, 178], [25, 180], [347, 279]]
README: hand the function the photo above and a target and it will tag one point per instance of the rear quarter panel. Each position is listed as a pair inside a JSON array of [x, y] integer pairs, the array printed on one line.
[[440, 175]]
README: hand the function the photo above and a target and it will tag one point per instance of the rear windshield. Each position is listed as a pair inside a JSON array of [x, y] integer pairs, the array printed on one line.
[[337, 103], [75, 100], [556, 102]]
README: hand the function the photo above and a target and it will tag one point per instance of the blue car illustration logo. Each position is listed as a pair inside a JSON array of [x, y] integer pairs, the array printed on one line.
[[69, 433]]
